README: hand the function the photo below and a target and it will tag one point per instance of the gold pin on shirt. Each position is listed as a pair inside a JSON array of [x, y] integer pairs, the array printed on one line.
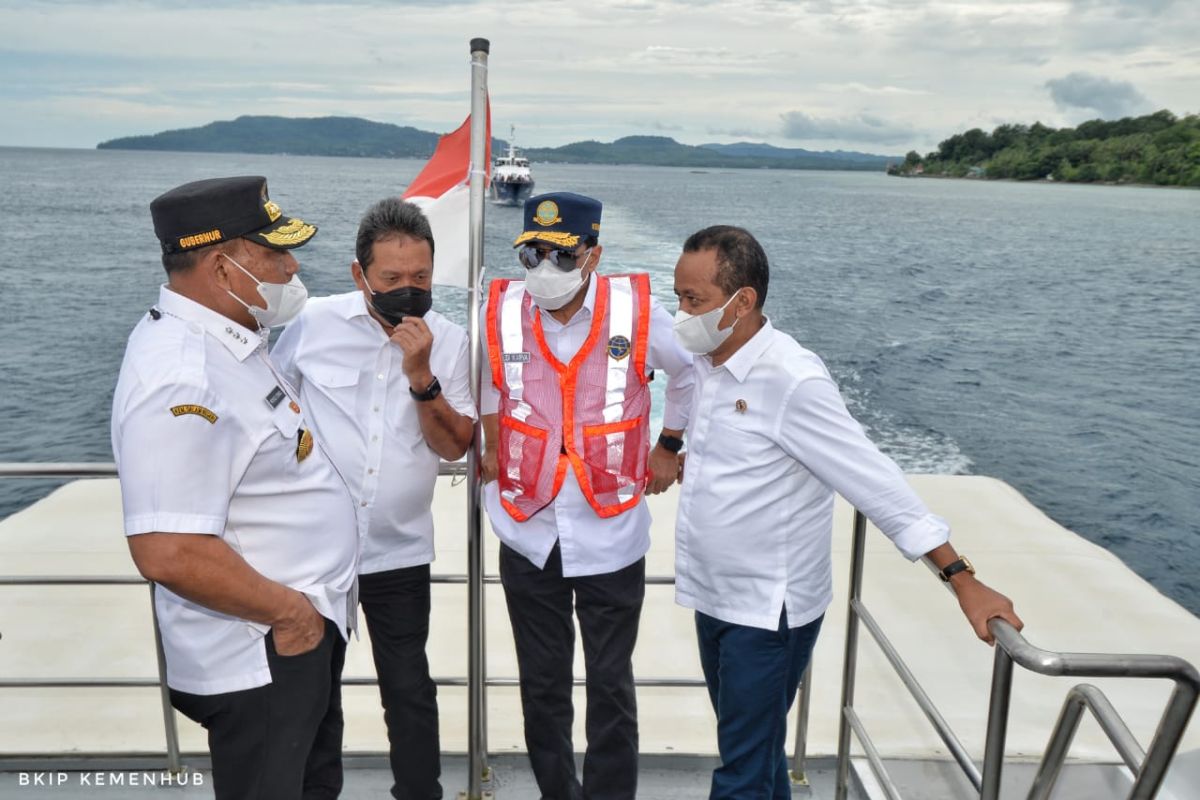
[[740, 406], [304, 446]]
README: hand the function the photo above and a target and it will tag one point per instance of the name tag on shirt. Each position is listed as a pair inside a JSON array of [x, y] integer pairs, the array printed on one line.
[[517, 358], [275, 397]]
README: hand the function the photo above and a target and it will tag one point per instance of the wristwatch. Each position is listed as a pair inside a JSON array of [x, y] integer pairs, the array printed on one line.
[[430, 393], [963, 564], [672, 444]]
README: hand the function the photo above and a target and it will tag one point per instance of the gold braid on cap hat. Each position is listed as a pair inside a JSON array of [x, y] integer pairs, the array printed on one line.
[[560, 238], [291, 232]]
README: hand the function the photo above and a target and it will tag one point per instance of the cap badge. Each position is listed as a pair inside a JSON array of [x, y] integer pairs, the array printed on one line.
[[272, 210], [618, 347], [547, 213]]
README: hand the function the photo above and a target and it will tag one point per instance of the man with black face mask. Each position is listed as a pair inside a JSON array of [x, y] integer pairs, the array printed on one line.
[[387, 382]]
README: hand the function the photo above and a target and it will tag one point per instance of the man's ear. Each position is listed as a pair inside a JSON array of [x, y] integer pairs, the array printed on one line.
[[356, 272], [746, 301], [218, 266], [595, 253]]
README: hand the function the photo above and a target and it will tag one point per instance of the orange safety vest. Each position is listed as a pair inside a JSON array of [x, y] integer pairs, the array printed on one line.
[[592, 415]]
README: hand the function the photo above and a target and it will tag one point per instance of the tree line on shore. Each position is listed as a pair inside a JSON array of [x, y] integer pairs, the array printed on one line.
[[1158, 148]]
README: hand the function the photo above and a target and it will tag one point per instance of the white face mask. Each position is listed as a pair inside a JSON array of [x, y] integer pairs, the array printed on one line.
[[550, 287], [698, 333], [285, 301]]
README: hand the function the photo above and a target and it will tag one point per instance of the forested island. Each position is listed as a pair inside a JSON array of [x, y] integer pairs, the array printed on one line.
[[352, 136], [1158, 148]]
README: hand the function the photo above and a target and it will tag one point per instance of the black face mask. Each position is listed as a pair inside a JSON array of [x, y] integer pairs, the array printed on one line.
[[407, 301]]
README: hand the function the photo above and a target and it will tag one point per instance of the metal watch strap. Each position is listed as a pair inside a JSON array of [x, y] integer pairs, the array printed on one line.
[[431, 392]]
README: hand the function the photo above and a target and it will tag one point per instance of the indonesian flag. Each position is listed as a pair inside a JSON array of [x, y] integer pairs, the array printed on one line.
[[442, 191]]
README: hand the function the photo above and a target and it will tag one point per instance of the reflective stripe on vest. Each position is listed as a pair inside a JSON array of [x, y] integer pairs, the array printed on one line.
[[591, 415]]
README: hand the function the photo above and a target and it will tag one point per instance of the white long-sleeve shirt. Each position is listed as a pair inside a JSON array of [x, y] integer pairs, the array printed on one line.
[[354, 390], [769, 442], [590, 545]]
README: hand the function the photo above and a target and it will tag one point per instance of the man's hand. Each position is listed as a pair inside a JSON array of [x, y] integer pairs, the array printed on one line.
[[300, 629], [664, 470], [489, 465], [981, 603], [413, 336]]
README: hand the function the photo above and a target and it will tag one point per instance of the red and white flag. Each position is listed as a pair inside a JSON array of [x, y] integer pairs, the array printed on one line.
[[442, 190]]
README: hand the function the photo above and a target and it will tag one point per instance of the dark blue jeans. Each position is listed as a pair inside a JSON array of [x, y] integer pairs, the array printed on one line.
[[752, 675]]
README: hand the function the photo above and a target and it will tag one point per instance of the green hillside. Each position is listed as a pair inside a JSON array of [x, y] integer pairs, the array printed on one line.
[[1158, 148]]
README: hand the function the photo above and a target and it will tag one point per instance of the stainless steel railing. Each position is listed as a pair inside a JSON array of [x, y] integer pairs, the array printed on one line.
[[1148, 767], [477, 744]]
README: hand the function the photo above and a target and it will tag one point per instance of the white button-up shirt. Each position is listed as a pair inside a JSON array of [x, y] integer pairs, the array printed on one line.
[[352, 384], [206, 442], [590, 545], [769, 443]]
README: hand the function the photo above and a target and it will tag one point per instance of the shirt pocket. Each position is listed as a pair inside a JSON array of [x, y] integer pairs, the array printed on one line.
[[332, 377]]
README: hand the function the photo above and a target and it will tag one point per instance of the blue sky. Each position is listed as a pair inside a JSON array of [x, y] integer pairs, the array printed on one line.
[[875, 75]]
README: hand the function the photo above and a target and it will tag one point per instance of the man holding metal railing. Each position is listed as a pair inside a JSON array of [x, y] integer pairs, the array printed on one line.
[[770, 441], [566, 410], [231, 506], [386, 381]]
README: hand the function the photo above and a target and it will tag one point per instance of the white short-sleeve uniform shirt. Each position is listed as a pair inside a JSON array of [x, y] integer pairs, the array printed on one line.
[[353, 387], [207, 441]]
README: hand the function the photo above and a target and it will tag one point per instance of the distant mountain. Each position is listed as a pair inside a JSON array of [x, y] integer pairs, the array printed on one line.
[[351, 136], [664, 151], [321, 136], [771, 151]]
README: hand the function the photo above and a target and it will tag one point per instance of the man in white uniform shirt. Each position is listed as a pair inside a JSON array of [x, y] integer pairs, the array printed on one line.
[[566, 404], [231, 507], [370, 366], [769, 442]]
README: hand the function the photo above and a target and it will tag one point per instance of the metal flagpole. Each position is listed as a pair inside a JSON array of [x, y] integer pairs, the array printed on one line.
[[477, 666]]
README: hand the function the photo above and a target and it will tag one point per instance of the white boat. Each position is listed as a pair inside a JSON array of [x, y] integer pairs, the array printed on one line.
[[79, 672], [512, 179]]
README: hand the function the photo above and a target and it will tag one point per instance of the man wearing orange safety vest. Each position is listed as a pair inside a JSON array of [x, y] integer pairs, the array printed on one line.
[[565, 399]]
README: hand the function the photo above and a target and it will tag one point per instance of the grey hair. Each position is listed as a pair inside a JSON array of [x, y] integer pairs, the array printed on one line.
[[387, 218]]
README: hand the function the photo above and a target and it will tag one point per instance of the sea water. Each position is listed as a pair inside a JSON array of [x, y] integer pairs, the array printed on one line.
[[1047, 335]]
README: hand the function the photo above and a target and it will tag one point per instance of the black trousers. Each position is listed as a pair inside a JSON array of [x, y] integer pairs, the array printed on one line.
[[282, 741], [396, 605], [609, 608]]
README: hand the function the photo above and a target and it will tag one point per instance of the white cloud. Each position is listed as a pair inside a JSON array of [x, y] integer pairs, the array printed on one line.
[[865, 72], [859, 128]]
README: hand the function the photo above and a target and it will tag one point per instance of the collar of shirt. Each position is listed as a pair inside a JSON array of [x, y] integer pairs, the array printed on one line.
[[740, 363], [589, 305], [356, 307], [238, 339]]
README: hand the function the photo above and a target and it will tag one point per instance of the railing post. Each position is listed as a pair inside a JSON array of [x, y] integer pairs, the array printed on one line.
[[1166, 738], [997, 724], [799, 774], [164, 691], [850, 659]]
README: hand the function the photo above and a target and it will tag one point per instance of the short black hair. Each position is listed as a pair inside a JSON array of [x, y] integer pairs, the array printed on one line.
[[741, 260], [391, 216], [179, 263]]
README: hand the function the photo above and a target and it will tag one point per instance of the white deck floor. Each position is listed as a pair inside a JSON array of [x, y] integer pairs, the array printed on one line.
[[1073, 596]]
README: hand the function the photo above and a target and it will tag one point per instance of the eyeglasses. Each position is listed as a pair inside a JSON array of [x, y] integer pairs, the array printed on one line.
[[530, 256]]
